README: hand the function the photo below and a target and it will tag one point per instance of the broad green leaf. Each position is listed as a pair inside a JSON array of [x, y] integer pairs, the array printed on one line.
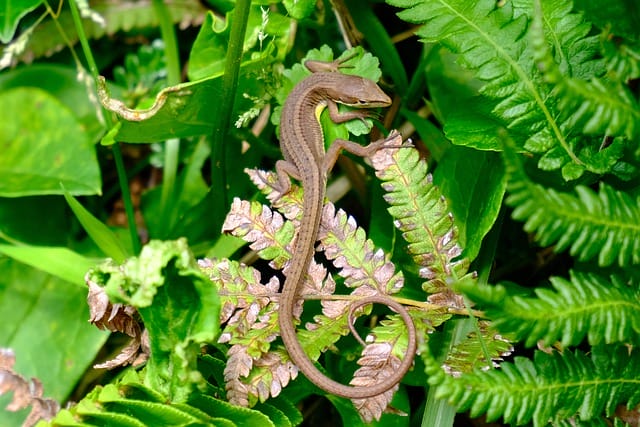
[[178, 305], [58, 261], [243, 417], [186, 109], [102, 235], [21, 220], [451, 86], [44, 145], [63, 83], [45, 322], [10, 14], [474, 183]]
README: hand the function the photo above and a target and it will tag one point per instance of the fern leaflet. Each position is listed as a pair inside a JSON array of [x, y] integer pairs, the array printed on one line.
[[604, 224], [494, 41], [597, 106], [551, 388], [587, 305]]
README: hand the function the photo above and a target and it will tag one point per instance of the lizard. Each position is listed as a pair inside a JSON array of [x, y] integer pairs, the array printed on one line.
[[305, 159]]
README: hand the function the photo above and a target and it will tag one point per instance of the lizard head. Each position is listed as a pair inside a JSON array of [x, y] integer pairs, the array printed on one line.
[[359, 92]]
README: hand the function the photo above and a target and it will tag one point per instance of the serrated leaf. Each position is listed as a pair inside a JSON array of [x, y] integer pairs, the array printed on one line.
[[178, 305], [601, 309], [603, 225], [552, 387]]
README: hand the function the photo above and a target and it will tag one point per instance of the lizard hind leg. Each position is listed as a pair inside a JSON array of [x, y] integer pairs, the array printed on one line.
[[285, 170], [334, 66]]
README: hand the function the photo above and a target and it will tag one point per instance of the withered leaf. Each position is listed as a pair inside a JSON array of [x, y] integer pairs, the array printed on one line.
[[25, 393]]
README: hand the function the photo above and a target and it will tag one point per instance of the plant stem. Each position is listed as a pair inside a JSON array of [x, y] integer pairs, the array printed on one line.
[[117, 154], [172, 146], [223, 119]]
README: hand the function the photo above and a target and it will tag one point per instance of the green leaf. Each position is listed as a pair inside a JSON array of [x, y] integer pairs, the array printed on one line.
[[604, 224], [552, 387], [58, 261], [474, 183], [19, 215], [423, 216], [185, 109], [63, 83], [178, 305], [101, 235], [11, 13], [299, 9], [450, 85], [493, 41], [243, 417], [43, 145], [45, 324], [208, 53]]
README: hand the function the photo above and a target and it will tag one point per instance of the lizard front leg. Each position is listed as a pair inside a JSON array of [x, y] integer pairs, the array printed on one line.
[[359, 150]]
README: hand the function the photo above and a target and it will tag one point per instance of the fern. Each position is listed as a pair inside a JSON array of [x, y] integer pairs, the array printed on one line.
[[604, 310], [606, 224], [503, 45], [423, 216], [596, 106], [128, 403], [473, 351], [551, 388]]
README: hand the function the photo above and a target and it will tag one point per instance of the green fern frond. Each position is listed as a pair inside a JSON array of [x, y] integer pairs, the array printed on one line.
[[129, 403], [550, 388], [500, 43], [423, 216], [604, 224], [602, 309], [493, 42], [622, 57], [469, 353], [598, 422], [595, 106]]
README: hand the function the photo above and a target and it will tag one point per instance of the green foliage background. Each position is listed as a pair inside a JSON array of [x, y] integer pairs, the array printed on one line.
[[525, 114]]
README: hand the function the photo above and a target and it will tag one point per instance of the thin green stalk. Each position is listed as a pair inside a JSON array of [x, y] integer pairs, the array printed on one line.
[[223, 121], [172, 146], [117, 154], [438, 412]]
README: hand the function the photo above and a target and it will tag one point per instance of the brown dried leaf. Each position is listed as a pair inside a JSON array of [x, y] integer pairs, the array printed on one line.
[[377, 363], [25, 393], [447, 298], [264, 377], [117, 318]]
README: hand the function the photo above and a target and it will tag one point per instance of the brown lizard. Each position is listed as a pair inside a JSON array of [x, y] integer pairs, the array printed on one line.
[[302, 144]]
